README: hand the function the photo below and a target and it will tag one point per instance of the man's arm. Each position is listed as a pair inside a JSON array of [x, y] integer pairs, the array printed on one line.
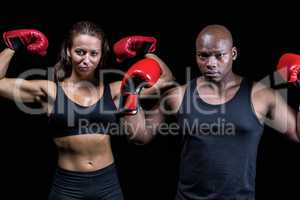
[[275, 112], [138, 46], [283, 116], [145, 125], [142, 127], [165, 81]]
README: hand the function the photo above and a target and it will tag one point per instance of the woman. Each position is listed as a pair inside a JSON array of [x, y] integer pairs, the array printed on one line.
[[80, 106]]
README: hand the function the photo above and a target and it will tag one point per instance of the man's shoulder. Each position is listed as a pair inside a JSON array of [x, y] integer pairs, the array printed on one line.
[[263, 93], [259, 87]]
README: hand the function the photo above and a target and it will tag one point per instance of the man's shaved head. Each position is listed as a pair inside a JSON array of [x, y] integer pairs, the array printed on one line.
[[214, 33]]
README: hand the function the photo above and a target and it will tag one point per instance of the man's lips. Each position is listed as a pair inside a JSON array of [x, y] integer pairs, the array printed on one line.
[[212, 73]]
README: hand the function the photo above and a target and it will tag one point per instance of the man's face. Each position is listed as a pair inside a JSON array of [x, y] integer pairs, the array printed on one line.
[[214, 57]]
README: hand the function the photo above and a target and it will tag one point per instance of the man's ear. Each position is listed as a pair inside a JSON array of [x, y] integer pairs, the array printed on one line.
[[234, 53]]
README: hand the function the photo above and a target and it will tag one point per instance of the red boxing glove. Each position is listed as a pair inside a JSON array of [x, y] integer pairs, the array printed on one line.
[[289, 67], [144, 73], [131, 46], [35, 41]]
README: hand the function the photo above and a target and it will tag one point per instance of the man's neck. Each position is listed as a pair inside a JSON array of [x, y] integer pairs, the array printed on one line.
[[222, 86]]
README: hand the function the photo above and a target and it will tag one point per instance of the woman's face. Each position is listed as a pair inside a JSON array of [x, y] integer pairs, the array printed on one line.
[[85, 54]]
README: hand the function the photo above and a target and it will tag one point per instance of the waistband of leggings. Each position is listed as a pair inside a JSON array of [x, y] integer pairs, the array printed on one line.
[[102, 171]]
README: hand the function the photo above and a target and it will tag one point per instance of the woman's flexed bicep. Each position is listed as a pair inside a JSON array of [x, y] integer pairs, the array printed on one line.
[[27, 91]]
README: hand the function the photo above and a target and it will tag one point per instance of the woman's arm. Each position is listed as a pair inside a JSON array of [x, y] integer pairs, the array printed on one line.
[[5, 58], [19, 89]]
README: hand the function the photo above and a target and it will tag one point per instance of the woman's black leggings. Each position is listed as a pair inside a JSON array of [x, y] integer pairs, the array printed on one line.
[[98, 185]]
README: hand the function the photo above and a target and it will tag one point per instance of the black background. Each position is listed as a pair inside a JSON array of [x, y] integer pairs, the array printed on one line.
[[261, 35]]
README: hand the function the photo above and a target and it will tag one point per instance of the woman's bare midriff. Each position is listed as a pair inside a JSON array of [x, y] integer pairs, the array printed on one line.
[[84, 153]]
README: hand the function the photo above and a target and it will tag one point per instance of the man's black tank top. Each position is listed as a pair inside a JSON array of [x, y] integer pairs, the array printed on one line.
[[218, 159]]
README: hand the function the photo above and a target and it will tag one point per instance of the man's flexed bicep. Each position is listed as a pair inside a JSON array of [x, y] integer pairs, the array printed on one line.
[[280, 115], [284, 118]]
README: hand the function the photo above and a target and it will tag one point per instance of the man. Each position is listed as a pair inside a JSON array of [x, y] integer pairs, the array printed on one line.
[[221, 116]]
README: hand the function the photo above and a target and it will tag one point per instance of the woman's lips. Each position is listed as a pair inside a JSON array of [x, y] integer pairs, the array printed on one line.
[[83, 68]]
